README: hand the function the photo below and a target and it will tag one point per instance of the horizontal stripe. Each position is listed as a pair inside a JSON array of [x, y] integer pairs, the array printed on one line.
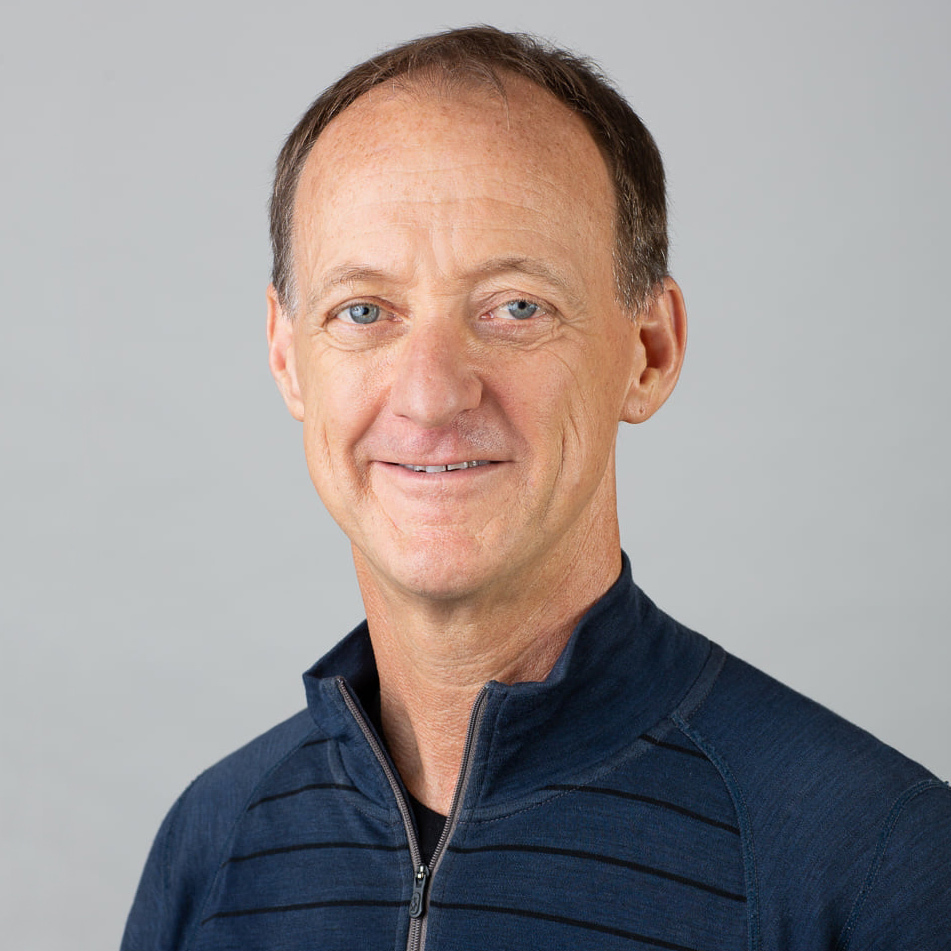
[[306, 906], [561, 920], [650, 800], [308, 846], [302, 789], [604, 859], [673, 746]]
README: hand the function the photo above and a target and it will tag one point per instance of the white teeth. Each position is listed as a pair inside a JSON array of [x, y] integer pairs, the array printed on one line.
[[449, 468]]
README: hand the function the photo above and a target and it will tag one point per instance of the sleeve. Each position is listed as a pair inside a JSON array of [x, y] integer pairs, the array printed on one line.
[[905, 901], [161, 915]]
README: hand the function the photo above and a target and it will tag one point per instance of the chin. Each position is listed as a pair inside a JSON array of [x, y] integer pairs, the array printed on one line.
[[437, 569]]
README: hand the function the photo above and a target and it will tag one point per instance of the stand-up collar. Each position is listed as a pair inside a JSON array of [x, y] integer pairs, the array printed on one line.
[[626, 666]]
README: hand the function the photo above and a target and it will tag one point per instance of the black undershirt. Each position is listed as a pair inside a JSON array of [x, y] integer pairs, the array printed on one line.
[[429, 823], [429, 826]]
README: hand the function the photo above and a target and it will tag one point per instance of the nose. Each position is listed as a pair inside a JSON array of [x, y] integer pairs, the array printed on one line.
[[434, 379]]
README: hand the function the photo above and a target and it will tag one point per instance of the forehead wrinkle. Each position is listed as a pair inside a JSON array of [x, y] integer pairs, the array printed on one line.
[[434, 184], [451, 241]]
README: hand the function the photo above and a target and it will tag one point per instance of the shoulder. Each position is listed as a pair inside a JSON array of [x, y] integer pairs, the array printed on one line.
[[199, 826], [188, 847], [832, 818], [227, 786], [772, 736]]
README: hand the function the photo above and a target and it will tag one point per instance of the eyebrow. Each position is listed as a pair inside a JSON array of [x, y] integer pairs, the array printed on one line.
[[346, 275], [349, 274], [531, 266]]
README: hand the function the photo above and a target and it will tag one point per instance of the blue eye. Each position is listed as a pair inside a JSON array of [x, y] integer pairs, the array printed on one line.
[[363, 313], [520, 309]]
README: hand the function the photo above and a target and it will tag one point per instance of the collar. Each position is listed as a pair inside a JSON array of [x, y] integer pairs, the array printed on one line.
[[626, 667]]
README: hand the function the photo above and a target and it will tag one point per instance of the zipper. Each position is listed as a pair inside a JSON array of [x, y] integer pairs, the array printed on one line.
[[462, 782], [422, 873], [419, 887], [416, 904]]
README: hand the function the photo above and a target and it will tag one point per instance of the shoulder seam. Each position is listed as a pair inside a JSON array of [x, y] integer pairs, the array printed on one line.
[[888, 826], [742, 818], [193, 932], [700, 689]]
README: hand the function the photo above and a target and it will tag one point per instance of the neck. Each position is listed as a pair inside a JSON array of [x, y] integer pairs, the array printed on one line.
[[434, 658]]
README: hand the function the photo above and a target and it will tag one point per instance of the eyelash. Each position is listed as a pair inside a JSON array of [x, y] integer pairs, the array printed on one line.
[[541, 309]]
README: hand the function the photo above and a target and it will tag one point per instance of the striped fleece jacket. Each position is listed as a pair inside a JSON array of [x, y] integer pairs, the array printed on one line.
[[652, 792]]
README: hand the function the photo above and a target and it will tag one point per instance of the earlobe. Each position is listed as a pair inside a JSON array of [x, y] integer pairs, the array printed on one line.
[[281, 356], [662, 336]]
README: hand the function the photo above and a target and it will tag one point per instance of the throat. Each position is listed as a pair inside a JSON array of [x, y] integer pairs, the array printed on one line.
[[429, 823]]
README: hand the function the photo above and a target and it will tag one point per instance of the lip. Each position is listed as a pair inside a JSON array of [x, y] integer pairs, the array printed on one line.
[[435, 471], [430, 468]]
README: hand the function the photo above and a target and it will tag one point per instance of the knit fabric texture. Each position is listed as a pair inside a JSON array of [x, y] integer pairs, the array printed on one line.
[[652, 792]]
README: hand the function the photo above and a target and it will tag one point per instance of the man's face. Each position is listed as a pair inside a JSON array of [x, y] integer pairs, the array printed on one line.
[[459, 357]]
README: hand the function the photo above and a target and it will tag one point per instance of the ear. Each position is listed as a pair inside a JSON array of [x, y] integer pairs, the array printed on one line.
[[281, 358], [662, 337]]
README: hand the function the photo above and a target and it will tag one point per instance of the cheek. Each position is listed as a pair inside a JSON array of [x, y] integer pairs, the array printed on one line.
[[334, 416], [339, 396], [577, 393]]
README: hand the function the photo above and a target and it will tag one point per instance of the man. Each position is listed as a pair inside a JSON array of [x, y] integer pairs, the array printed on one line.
[[517, 749]]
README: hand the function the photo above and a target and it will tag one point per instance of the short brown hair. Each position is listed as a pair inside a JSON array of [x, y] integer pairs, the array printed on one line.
[[485, 54]]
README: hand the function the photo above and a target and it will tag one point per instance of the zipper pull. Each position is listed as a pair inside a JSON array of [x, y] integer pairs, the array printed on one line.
[[419, 890]]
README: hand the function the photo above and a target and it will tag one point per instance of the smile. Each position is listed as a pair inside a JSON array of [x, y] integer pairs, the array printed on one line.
[[451, 467]]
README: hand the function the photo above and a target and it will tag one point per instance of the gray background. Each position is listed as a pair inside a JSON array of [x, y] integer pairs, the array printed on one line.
[[167, 570]]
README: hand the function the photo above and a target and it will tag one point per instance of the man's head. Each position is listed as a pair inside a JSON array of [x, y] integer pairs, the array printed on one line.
[[454, 262], [485, 57]]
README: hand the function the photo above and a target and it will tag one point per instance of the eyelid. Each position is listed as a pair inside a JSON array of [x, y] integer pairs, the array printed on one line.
[[543, 308]]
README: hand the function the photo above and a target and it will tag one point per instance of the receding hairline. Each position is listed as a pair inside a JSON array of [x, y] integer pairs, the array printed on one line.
[[433, 81], [476, 56]]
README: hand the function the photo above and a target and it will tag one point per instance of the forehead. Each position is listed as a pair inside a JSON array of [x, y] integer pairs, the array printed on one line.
[[470, 163], [421, 115]]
